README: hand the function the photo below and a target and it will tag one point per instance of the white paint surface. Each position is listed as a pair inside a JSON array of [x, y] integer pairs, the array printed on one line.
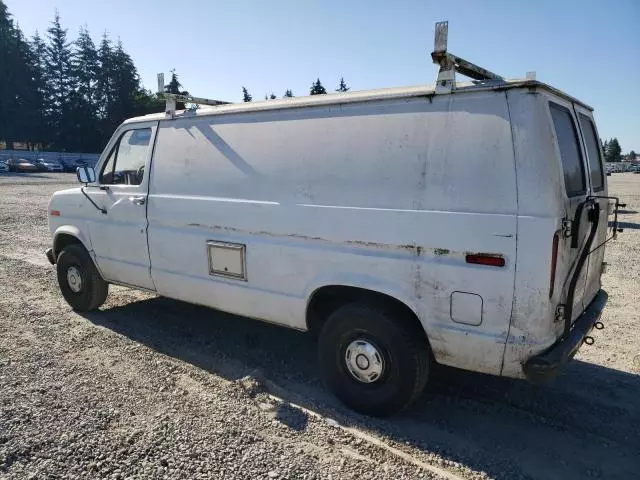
[[386, 192]]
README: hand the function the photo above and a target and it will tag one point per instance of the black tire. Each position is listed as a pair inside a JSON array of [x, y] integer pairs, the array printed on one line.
[[401, 344], [92, 289]]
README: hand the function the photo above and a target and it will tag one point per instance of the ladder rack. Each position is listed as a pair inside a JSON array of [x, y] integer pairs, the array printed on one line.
[[173, 98], [450, 64]]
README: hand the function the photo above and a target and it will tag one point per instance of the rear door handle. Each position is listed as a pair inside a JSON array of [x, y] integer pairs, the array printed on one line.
[[137, 200]]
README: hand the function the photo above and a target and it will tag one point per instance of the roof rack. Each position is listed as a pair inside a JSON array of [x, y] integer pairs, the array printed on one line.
[[450, 64], [173, 98]]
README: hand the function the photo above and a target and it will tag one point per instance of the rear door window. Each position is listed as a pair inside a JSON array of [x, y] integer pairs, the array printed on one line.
[[593, 152], [574, 178]]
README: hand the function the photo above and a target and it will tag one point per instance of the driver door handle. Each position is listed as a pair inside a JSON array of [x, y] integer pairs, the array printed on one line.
[[137, 200]]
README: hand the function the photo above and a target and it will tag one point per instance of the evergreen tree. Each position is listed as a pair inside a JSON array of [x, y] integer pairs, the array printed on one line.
[[272, 96], [17, 89], [288, 94], [41, 132], [146, 102], [246, 96], [317, 88], [174, 86], [614, 152], [632, 155], [85, 109], [85, 66], [26, 95], [104, 82], [60, 83], [343, 86]]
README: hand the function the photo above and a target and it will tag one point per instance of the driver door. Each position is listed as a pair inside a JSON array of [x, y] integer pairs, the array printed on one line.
[[119, 237]]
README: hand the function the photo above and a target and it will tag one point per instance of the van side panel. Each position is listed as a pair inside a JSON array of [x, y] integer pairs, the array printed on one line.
[[388, 195], [540, 213]]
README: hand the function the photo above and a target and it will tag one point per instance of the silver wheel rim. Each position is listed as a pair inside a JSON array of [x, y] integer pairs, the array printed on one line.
[[364, 362], [74, 279]]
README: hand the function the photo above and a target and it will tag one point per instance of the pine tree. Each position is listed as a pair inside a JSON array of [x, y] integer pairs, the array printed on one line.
[[174, 86], [272, 96], [17, 89], [26, 95], [85, 65], [614, 151], [104, 82], [317, 88], [85, 109], [246, 96], [632, 155], [41, 132], [343, 86], [288, 94], [60, 84], [126, 83]]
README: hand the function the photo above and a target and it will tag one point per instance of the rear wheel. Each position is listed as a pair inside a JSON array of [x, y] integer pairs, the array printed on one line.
[[80, 283], [373, 358]]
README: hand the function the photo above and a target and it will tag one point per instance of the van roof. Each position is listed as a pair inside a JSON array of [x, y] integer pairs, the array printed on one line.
[[363, 96]]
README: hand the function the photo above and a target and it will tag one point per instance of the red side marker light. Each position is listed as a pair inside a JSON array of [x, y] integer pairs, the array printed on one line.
[[55, 213], [485, 259]]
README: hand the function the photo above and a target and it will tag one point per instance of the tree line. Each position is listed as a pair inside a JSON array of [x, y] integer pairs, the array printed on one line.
[[613, 152], [316, 89], [65, 95], [70, 95]]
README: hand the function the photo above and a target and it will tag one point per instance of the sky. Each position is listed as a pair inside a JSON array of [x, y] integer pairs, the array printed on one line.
[[587, 48]]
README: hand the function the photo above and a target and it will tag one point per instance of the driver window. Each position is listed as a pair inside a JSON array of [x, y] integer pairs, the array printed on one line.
[[125, 165]]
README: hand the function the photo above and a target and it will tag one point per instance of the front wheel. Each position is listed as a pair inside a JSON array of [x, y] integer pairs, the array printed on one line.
[[373, 358], [80, 283]]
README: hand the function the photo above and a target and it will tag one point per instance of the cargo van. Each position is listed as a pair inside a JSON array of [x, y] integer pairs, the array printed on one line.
[[459, 224]]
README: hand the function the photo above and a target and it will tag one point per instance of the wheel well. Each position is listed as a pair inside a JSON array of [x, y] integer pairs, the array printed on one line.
[[327, 299], [62, 241]]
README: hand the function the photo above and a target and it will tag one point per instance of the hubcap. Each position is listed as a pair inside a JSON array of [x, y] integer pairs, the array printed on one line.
[[364, 361], [74, 279]]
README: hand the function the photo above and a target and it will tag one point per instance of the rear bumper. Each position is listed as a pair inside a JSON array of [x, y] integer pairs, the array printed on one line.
[[50, 257], [552, 361]]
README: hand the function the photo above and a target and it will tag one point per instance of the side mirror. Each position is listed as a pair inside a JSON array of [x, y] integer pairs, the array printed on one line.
[[86, 174]]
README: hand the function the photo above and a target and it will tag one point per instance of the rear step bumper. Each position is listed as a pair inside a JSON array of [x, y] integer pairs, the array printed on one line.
[[550, 363]]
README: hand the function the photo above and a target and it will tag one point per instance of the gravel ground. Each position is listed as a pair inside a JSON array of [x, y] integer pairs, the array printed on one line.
[[153, 388]]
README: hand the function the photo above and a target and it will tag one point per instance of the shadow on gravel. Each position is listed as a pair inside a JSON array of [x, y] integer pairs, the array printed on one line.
[[580, 425], [630, 225]]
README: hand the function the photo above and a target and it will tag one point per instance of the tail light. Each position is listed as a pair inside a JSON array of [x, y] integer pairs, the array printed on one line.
[[485, 259], [554, 261]]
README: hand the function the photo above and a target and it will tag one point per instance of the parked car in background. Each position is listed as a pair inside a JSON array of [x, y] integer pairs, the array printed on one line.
[[3, 167], [48, 165], [72, 165], [21, 165]]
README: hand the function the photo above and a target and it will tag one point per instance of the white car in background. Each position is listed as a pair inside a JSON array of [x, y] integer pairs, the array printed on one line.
[[48, 165]]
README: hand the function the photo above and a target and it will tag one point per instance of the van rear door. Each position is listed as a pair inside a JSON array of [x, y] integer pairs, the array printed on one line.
[[573, 236], [597, 187]]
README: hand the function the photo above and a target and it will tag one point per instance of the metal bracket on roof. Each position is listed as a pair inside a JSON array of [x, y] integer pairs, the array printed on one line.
[[450, 64], [173, 98]]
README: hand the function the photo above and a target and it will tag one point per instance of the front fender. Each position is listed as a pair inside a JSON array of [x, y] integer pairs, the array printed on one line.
[[74, 232]]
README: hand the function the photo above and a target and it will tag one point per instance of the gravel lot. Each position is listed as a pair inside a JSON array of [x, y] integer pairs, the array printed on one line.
[[153, 388]]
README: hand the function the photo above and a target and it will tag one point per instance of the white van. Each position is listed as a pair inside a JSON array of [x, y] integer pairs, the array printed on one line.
[[459, 224]]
